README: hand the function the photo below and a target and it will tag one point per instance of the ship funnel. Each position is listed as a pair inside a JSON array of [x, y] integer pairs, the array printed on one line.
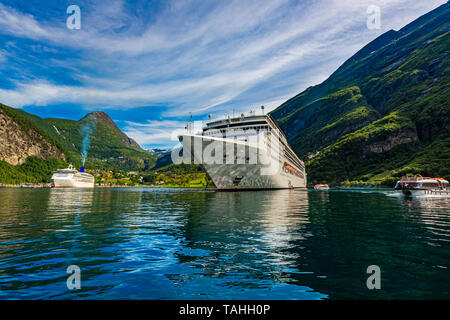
[[81, 169]]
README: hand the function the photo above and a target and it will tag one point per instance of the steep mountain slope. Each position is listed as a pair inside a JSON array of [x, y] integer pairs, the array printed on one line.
[[104, 120], [27, 153], [107, 147], [20, 139], [384, 113]]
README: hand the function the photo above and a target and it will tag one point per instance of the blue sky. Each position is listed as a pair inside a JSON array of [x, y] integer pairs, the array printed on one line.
[[149, 63]]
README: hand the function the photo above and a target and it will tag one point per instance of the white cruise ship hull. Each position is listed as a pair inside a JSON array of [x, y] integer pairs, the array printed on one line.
[[244, 176], [226, 177], [71, 182]]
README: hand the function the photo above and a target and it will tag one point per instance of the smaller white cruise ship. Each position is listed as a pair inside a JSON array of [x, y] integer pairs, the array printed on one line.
[[71, 178], [423, 186]]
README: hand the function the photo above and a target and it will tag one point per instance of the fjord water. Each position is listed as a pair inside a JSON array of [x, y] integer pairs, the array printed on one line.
[[195, 244]]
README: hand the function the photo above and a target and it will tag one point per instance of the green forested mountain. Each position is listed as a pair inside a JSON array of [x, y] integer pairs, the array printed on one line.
[[383, 114], [109, 148], [49, 139]]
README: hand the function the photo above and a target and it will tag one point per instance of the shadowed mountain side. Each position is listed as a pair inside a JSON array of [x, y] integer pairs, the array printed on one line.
[[383, 114]]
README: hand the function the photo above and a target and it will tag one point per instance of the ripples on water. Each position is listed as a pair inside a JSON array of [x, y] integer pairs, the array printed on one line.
[[193, 244]]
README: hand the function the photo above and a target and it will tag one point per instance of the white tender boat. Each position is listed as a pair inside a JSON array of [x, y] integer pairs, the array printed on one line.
[[246, 152], [322, 187], [71, 178], [423, 186]]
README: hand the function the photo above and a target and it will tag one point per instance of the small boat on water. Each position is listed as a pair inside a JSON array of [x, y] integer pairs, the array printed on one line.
[[71, 178], [423, 186], [321, 187]]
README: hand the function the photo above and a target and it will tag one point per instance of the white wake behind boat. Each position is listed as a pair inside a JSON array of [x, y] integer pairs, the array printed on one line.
[[71, 178], [246, 152]]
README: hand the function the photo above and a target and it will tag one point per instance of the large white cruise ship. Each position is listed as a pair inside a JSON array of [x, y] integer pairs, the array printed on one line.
[[246, 152], [71, 178]]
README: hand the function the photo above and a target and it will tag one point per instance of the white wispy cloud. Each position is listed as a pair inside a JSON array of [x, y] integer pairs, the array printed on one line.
[[3, 56], [190, 56], [155, 132]]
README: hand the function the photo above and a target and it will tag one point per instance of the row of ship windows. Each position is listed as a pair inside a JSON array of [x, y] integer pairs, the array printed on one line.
[[287, 152], [208, 132], [432, 184], [257, 129], [289, 156], [246, 159], [294, 161]]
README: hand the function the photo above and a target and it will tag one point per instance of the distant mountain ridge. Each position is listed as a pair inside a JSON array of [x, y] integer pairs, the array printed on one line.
[[382, 114]]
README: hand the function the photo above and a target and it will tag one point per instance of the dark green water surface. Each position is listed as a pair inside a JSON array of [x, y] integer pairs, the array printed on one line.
[[194, 244]]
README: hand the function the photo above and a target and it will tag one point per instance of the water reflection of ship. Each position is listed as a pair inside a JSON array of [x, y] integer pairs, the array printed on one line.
[[87, 200], [254, 240], [246, 233], [323, 196], [70, 200], [273, 212], [59, 227], [432, 212]]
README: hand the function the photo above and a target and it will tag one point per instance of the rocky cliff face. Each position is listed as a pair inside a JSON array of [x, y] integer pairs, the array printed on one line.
[[391, 142], [17, 143]]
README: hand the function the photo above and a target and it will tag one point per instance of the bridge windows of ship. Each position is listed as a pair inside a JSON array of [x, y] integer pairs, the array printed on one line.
[[231, 131], [235, 125]]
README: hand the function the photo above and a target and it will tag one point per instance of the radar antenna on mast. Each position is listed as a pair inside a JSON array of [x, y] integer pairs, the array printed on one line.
[[189, 124]]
